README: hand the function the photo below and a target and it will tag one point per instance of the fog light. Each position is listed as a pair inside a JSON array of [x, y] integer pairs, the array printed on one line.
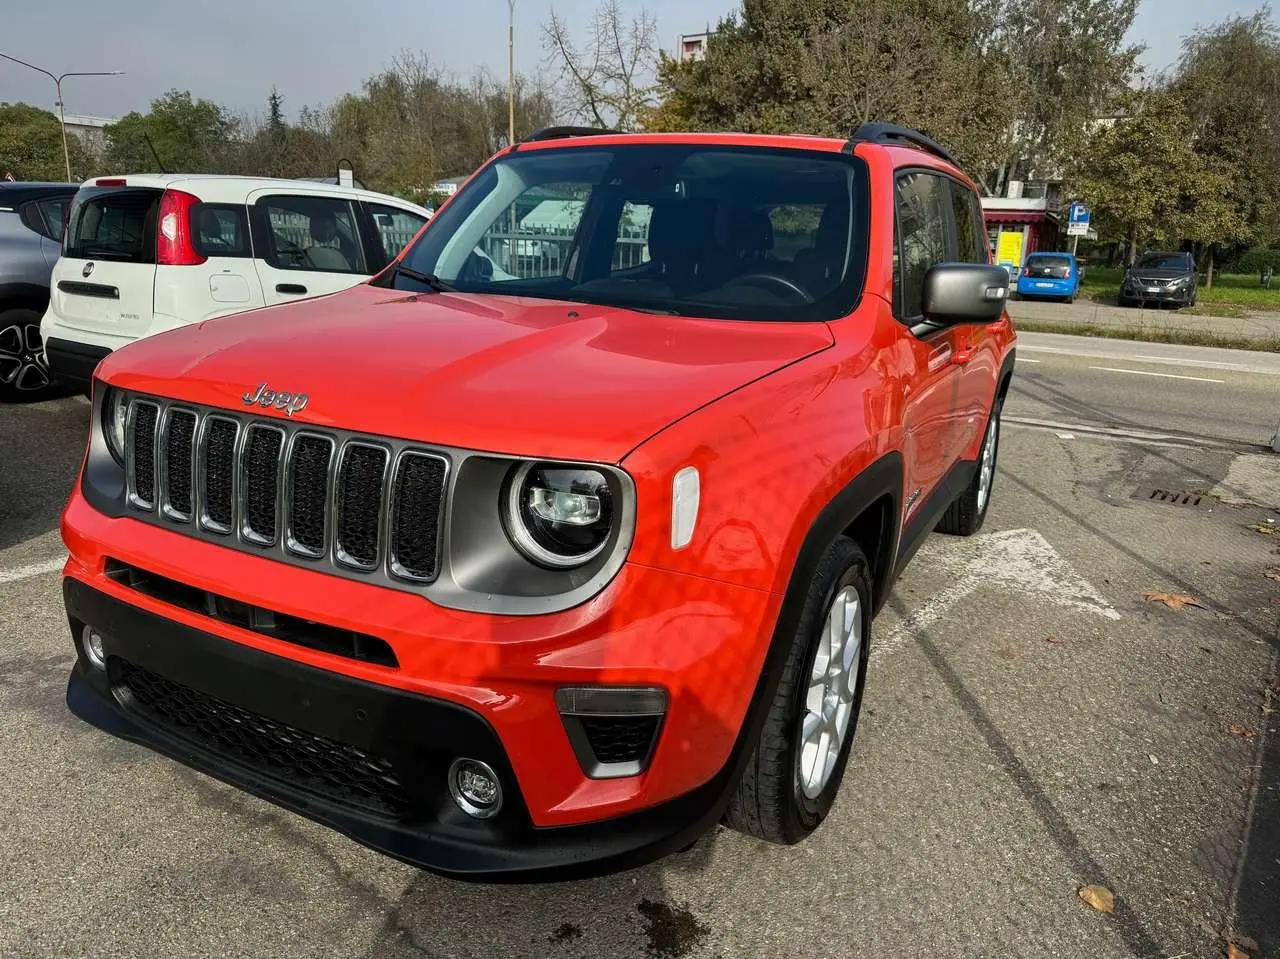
[[475, 788], [94, 651]]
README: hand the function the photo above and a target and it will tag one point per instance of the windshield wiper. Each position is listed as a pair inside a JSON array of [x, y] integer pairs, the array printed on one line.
[[430, 279]]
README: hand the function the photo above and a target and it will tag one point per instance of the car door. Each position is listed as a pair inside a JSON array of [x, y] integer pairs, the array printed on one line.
[[306, 244], [976, 354], [392, 228], [932, 387]]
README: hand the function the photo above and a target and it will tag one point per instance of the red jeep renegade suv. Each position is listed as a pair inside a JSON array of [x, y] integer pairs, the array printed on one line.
[[560, 540]]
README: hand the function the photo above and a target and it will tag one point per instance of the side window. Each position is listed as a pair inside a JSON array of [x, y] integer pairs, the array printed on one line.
[[312, 233], [394, 228], [922, 237], [968, 249], [631, 247], [47, 216], [531, 238], [219, 229]]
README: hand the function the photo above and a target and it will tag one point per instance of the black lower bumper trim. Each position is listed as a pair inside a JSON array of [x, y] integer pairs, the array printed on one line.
[[73, 363], [196, 686]]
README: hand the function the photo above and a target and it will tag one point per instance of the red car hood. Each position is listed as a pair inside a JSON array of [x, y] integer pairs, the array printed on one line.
[[501, 374]]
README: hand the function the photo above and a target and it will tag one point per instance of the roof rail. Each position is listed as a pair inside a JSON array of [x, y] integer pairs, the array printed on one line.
[[891, 134], [562, 133]]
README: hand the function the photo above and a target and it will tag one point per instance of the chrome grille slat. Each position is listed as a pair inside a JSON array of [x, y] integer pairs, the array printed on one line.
[[141, 424], [259, 475], [306, 490], [177, 472], [353, 505], [216, 473], [362, 474]]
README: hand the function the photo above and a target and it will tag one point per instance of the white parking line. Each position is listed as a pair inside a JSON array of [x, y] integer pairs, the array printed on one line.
[[1023, 359], [1167, 376], [34, 569]]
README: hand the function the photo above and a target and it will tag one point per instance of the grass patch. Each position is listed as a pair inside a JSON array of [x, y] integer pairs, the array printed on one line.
[[1149, 334], [1232, 289]]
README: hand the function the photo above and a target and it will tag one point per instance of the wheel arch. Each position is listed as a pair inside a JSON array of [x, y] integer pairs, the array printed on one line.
[[29, 296]]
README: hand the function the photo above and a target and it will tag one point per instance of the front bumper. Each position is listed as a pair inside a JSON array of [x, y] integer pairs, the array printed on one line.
[[467, 685], [1176, 294], [309, 740]]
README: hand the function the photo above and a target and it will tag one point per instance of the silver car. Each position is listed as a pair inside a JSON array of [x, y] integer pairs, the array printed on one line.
[[31, 219]]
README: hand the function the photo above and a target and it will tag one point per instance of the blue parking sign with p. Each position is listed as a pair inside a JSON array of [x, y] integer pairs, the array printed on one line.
[[1078, 213]]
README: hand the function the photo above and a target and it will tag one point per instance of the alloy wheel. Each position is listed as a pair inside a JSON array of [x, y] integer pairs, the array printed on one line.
[[22, 361], [833, 683], [987, 467]]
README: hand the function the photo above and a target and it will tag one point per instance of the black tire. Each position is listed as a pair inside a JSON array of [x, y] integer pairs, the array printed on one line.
[[24, 375], [769, 801], [968, 511]]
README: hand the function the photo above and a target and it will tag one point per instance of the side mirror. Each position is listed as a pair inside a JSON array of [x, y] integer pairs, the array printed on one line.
[[479, 267], [964, 293]]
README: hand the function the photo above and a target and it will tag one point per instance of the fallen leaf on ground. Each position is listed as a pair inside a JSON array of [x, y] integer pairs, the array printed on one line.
[[1244, 942], [1273, 573], [1173, 600], [1054, 640], [1266, 530], [1235, 952], [1243, 731], [1099, 897]]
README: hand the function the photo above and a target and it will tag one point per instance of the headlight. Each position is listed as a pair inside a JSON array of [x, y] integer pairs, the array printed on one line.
[[558, 516], [115, 408]]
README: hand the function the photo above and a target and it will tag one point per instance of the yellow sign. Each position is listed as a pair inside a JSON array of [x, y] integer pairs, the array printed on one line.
[[1009, 248]]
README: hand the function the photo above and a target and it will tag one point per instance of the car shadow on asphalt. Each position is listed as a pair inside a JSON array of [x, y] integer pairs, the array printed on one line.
[[1257, 873], [41, 448]]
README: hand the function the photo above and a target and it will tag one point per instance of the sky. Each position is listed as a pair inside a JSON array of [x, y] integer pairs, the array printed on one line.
[[234, 51]]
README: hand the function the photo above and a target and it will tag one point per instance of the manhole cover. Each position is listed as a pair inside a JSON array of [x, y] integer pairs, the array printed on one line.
[[1173, 497]]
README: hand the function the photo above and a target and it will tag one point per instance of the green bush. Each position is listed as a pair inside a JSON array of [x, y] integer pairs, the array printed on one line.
[[1254, 261]]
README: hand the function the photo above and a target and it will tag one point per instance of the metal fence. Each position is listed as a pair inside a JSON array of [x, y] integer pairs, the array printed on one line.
[[528, 254]]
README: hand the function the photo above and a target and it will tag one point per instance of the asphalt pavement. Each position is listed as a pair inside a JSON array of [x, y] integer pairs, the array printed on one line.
[[1033, 725]]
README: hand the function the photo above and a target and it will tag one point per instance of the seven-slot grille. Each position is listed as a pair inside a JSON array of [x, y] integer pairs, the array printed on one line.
[[358, 504]]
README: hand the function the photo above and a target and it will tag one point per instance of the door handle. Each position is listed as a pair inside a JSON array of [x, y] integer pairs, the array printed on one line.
[[290, 288]]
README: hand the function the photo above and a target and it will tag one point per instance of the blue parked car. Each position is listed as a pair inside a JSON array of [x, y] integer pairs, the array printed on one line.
[[1050, 275]]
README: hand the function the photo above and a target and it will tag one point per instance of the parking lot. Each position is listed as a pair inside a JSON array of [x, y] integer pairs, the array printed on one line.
[[1034, 724]]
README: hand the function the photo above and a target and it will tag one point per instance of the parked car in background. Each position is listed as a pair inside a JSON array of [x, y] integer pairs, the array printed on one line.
[[1160, 278], [31, 219], [1050, 276], [148, 253]]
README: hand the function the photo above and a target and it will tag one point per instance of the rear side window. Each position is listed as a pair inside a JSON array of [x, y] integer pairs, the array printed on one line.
[[45, 216], [394, 228], [968, 217], [220, 229], [113, 224], [922, 231], [311, 233]]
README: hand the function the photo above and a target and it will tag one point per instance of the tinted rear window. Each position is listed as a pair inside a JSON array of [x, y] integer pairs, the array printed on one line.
[[113, 224], [1060, 262]]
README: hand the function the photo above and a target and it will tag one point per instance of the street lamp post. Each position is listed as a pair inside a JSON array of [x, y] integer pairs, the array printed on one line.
[[511, 72], [57, 83]]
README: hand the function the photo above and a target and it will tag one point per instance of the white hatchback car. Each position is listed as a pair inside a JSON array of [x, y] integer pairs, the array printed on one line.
[[142, 254]]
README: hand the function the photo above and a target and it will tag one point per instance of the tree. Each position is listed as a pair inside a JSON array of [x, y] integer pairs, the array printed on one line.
[[31, 145], [1229, 75], [826, 66], [275, 114], [1141, 174], [189, 136], [608, 80], [1063, 64]]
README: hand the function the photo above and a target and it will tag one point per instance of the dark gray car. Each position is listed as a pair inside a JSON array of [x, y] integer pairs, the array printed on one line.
[[31, 217], [1160, 278]]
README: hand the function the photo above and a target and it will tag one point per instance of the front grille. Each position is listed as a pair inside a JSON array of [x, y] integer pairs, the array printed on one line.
[[347, 504], [620, 739], [335, 770]]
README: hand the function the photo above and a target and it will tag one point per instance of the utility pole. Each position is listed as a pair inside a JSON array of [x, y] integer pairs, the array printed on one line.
[[511, 72], [57, 84]]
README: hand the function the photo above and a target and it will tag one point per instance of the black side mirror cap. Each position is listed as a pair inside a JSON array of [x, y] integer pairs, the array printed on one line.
[[964, 293]]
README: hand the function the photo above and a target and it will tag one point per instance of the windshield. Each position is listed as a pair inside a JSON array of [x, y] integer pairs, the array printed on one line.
[[712, 231], [1164, 261]]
